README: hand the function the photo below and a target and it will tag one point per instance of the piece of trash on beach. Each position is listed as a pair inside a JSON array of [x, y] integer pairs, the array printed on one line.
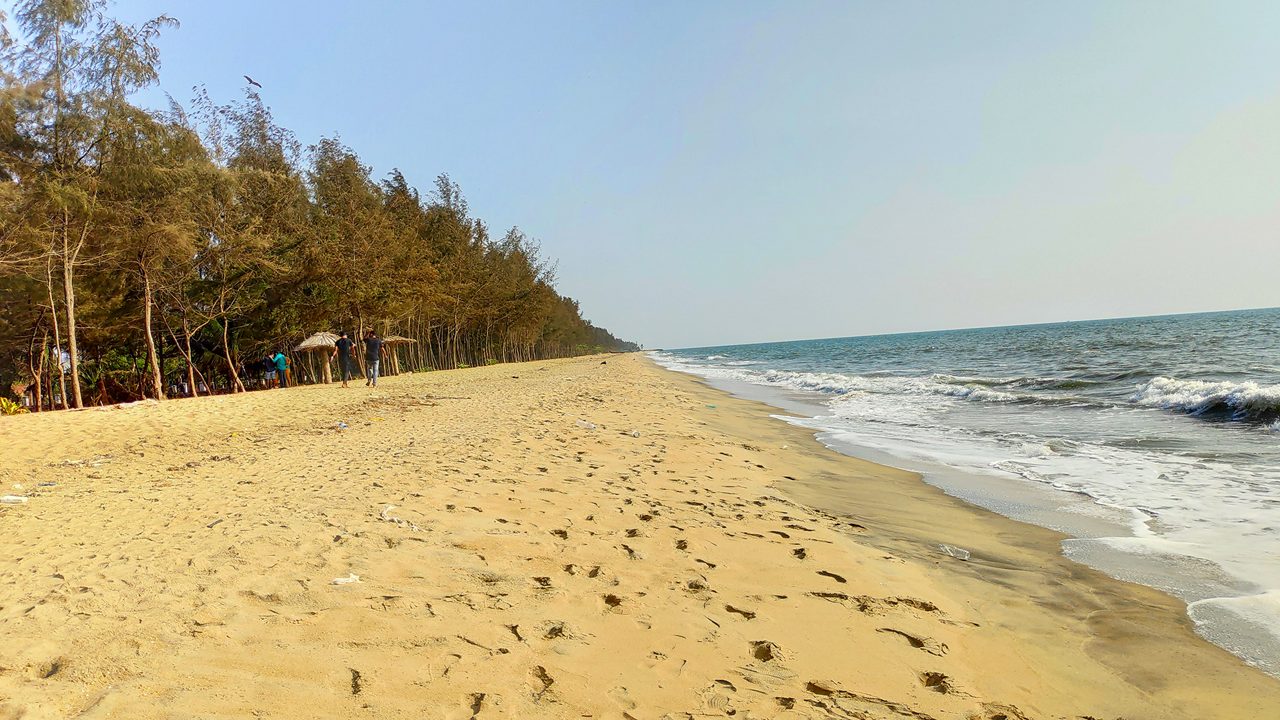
[[48, 484], [215, 522], [341, 425], [635, 433], [955, 552], [349, 579], [586, 425], [12, 499], [713, 407], [388, 517]]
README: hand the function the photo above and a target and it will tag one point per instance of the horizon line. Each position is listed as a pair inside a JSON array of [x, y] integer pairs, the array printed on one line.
[[973, 327]]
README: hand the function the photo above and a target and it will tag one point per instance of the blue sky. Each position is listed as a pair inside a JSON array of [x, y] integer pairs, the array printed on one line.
[[716, 172]]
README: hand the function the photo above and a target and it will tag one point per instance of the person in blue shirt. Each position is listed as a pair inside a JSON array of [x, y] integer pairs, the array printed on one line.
[[282, 369]]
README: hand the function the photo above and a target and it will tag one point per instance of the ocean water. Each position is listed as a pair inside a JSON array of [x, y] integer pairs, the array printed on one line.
[[1154, 442]]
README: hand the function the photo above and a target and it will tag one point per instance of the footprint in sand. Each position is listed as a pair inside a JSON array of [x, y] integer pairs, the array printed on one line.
[[765, 651], [717, 698], [555, 630], [622, 698], [929, 645], [540, 681], [937, 682], [446, 665], [48, 668]]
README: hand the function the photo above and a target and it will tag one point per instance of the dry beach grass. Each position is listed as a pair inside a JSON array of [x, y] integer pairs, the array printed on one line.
[[556, 539]]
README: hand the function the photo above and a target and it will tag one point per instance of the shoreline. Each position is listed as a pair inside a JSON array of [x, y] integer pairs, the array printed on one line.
[[1116, 612], [1097, 534], [593, 537]]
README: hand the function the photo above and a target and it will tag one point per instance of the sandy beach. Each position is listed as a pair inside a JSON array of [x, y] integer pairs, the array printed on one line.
[[594, 537]]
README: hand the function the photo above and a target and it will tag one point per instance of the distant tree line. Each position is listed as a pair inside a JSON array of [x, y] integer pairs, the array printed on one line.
[[140, 248]]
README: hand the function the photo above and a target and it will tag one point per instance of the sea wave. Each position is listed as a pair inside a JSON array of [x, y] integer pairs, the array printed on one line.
[[971, 388], [1205, 398], [1211, 400]]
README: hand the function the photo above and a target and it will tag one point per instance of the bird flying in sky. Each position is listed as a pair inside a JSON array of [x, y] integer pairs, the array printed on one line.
[[253, 82]]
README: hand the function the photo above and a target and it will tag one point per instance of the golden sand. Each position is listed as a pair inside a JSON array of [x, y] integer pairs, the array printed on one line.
[[544, 540]]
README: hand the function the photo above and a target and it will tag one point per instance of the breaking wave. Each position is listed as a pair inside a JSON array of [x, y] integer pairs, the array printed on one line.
[[1213, 400]]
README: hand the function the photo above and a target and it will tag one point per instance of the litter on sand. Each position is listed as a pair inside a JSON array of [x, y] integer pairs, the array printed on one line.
[[586, 425], [351, 578], [12, 499], [955, 552], [341, 425], [388, 517]]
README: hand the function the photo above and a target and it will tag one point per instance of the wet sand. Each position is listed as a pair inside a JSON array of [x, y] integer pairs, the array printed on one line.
[[562, 539]]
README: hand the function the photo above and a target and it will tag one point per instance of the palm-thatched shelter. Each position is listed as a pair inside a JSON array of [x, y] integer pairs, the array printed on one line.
[[392, 342], [322, 343]]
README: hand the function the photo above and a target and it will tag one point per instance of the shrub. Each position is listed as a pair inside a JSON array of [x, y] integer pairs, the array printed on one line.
[[9, 407]]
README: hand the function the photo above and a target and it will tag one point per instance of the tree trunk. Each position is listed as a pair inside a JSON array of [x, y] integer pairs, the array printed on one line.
[[37, 370], [57, 342], [153, 358], [191, 364], [358, 347], [236, 385], [69, 297]]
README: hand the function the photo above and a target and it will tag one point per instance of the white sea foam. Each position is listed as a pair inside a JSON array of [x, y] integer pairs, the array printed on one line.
[[1197, 397], [840, 383], [1248, 625]]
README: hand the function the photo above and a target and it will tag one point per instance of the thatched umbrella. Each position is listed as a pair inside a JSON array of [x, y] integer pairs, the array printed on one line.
[[393, 342], [321, 342]]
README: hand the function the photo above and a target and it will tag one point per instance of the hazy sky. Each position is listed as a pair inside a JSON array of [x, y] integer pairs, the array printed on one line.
[[715, 172]]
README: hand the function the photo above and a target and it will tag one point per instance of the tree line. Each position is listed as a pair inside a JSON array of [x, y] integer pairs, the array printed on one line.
[[141, 247]]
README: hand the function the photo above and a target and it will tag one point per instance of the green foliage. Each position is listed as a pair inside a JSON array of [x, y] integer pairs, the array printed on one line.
[[9, 407], [158, 247]]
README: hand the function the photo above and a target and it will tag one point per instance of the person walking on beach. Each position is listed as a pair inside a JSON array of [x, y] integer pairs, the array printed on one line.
[[372, 356], [342, 350], [282, 369]]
